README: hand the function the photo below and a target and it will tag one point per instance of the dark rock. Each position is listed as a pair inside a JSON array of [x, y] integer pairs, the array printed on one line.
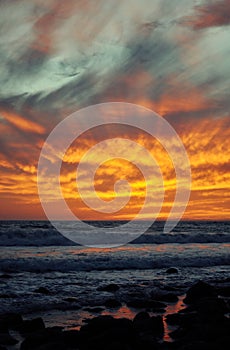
[[42, 290], [42, 338], [94, 309], [126, 337], [7, 339], [5, 276], [118, 345], [174, 319], [141, 316], [222, 343], [194, 328], [198, 291], [172, 270], [30, 326], [142, 304], [148, 342], [112, 303], [184, 320], [207, 310], [55, 345], [109, 288], [185, 333], [3, 326], [53, 330], [168, 297], [158, 325], [211, 308], [152, 325], [103, 331], [98, 323], [224, 291], [71, 338], [71, 300], [105, 322], [196, 345], [11, 321]]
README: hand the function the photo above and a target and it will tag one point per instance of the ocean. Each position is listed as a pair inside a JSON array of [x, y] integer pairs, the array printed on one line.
[[34, 255]]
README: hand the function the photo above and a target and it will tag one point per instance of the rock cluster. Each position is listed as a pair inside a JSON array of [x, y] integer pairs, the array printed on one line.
[[202, 324]]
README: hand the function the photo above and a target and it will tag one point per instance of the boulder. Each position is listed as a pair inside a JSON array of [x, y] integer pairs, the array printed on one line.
[[184, 320], [71, 338], [193, 327], [118, 345], [30, 326], [5, 276], [112, 287], [196, 345], [145, 303], [41, 338], [198, 291], [98, 324], [224, 291], [2, 348], [11, 321], [55, 345], [7, 339], [71, 300], [167, 297], [112, 303], [211, 308], [104, 323], [103, 331], [172, 270], [151, 325], [141, 316]]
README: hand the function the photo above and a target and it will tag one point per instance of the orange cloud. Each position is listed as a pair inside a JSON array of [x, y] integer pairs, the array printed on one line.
[[22, 123], [207, 143]]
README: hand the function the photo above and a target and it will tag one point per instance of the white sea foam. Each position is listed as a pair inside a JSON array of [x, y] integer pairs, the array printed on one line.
[[131, 257], [43, 234]]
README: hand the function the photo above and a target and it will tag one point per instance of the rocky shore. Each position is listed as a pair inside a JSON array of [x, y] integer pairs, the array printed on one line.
[[203, 323]]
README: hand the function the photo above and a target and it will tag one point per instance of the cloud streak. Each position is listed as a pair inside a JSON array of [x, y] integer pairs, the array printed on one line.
[[214, 13]]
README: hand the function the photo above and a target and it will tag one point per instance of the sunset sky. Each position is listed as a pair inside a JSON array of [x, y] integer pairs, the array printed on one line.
[[172, 56]]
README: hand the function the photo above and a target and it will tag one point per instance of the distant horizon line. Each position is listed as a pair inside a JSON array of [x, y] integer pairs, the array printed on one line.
[[118, 220]]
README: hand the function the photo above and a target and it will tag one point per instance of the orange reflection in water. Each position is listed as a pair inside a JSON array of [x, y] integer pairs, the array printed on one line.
[[123, 311], [172, 309], [85, 250], [73, 320]]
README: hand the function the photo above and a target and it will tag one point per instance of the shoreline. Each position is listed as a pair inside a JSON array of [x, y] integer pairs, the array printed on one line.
[[198, 319]]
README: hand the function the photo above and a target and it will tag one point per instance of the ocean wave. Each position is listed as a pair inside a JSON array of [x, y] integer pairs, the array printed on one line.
[[183, 238], [39, 233], [190, 255], [52, 238]]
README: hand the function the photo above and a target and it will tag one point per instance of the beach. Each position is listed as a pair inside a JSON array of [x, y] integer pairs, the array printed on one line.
[[69, 294]]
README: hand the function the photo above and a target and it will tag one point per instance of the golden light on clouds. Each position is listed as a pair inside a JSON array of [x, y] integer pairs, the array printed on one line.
[[209, 163], [23, 124]]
